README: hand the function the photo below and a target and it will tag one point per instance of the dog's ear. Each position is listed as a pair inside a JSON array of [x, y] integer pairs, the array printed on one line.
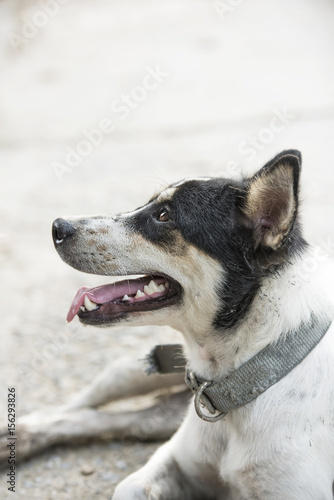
[[271, 200]]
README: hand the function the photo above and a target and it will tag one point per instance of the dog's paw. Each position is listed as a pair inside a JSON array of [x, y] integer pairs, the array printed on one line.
[[28, 440], [135, 488]]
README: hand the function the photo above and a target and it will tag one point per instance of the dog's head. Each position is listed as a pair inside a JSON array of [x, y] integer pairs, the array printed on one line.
[[201, 249]]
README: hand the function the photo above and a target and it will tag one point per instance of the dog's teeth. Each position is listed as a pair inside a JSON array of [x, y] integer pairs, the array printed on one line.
[[89, 305], [125, 298], [139, 294], [151, 288], [83, 309]]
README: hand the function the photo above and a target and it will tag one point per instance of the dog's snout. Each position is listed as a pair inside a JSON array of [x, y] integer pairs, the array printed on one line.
[[61, 229]]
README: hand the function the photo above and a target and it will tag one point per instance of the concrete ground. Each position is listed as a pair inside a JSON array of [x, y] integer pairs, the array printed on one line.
[[103, 103]]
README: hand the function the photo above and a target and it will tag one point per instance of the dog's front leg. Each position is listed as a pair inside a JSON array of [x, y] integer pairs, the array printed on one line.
[[160, 479], [124, 378], [171, 474], [76, 420], [39, 430]]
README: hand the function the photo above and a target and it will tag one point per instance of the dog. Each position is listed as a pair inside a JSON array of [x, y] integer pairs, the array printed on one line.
[[222, 262]]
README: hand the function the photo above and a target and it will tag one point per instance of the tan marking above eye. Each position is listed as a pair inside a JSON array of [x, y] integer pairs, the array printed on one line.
[[166, 195]]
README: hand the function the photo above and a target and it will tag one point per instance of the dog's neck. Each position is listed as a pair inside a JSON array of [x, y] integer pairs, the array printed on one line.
[[283, 302]]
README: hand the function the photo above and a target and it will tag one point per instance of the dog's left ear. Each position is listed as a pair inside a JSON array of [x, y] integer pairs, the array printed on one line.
[[271, 200]]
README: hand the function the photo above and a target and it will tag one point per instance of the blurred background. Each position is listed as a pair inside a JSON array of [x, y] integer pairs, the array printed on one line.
[[103, 103]]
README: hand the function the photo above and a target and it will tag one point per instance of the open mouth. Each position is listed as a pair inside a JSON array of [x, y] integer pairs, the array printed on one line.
[[103, 304]]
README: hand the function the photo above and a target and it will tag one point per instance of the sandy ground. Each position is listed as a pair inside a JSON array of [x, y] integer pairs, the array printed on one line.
[[178, 88]]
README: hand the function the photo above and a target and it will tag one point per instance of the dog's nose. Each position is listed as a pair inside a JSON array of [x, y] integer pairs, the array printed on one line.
[[61, 229]]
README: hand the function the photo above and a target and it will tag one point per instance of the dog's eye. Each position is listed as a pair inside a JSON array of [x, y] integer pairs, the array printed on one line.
[[163, 215]]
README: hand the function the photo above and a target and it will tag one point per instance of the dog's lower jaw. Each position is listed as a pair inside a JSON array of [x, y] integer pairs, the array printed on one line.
[[135, 316]]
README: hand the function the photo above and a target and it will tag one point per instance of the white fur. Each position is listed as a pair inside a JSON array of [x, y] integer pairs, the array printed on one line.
[[281, 446], [278, 447]]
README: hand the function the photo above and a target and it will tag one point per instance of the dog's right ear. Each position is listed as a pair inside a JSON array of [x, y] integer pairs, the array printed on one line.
[[270, 202]]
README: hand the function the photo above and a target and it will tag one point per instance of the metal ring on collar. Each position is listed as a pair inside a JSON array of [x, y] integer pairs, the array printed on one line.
[[198, 404]]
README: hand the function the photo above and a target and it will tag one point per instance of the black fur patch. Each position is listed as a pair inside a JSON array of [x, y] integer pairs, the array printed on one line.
[[165, 234], [206, 213]]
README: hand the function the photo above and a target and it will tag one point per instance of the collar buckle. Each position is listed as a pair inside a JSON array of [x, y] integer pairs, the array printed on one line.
[[201, 400]]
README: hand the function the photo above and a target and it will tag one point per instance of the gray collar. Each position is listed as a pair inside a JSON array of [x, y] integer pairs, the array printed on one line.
[[251, 379]]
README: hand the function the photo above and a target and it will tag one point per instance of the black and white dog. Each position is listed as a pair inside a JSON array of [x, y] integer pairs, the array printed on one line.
[[222, 262]]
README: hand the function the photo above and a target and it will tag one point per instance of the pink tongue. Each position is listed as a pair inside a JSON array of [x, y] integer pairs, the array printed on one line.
[[106, 293], [77, 303]]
